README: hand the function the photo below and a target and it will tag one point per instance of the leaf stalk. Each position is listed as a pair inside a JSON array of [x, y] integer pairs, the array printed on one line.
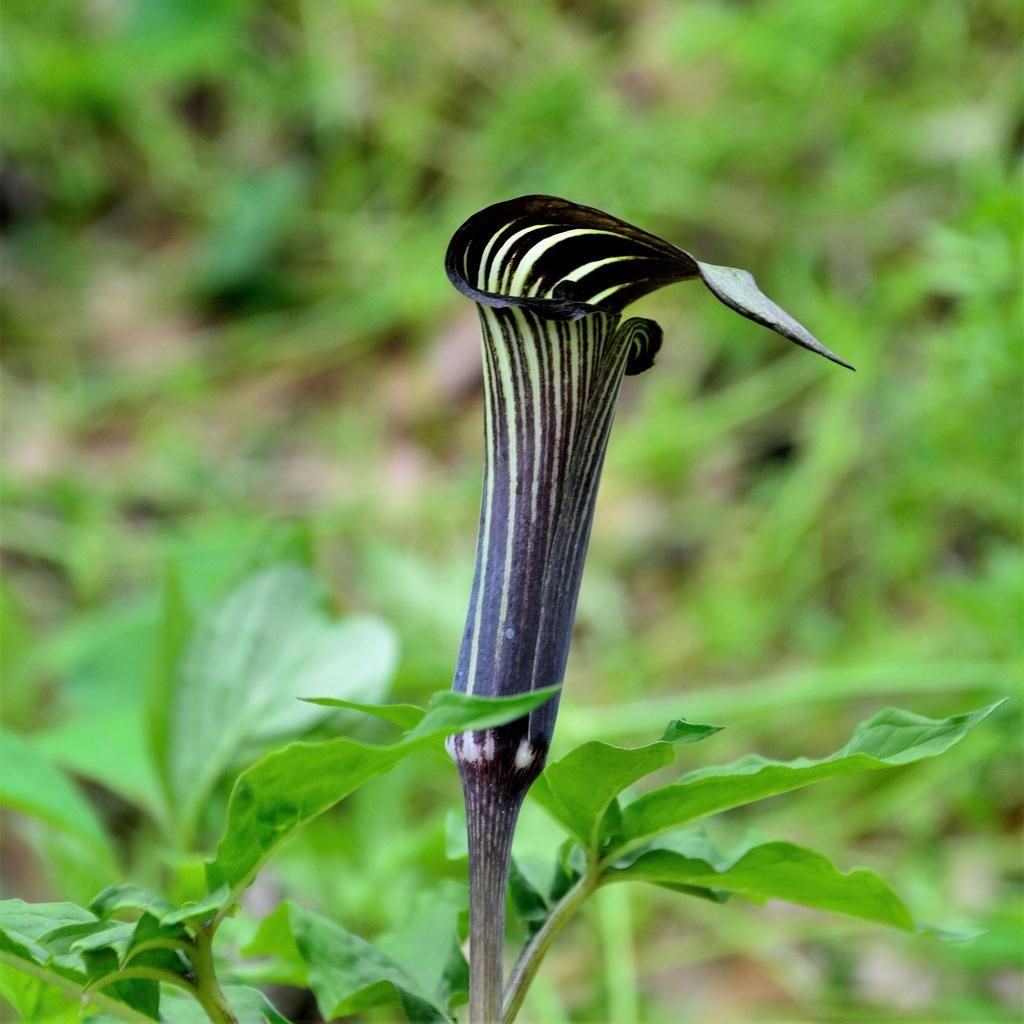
[[533, 953]]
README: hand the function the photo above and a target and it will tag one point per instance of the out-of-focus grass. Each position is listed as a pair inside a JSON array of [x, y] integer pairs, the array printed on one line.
[[223, 226]]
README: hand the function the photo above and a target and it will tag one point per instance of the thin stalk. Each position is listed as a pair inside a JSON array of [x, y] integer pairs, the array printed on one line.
[[492, 809], [533, 953], [208, 992]]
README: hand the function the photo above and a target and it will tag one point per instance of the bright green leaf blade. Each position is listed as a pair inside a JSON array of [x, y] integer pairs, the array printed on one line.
[[173, 634], [34, 998], [290, 786], [249, 1005], [198, 909], [23, 926], [30, 783], [129, 897], [89, 937], [267, 644], [121, 762], [345, 973], [578, 790], [682, 731], [283, 791], [450, 712], [142, 994], [781, 871], [405, 716], [27, 923], [427, 944], [738, 290], [892, 737], [118, 898]]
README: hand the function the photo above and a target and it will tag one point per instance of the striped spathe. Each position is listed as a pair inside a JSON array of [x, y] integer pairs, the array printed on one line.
[[551, 279]]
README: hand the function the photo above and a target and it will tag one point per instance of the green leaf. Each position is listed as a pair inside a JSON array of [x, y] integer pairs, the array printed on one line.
[[30, 783], [25, 930], [346, 974], [682, 731], [25, 924], [527, 894], [88, 937], [428, 946], [173, 634], [36, 999], [119, 898], [780, 871], [290, 786], [196, 910], [892, 737], [405, 716], [249, 1005], [269, 642], [579, 789], [142, 994], [121, 763], [129, 897], [450, 712]]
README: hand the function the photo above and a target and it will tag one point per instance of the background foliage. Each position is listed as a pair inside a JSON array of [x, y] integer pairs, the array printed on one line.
[[228, 340]]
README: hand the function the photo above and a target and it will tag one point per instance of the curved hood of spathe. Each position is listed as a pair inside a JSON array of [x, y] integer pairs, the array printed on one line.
[[564, 260]]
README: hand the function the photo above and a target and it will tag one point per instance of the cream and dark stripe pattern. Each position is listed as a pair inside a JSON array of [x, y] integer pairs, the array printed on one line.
[[550, 279]]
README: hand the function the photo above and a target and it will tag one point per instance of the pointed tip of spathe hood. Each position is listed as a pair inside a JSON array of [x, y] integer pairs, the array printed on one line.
[[738, 290]]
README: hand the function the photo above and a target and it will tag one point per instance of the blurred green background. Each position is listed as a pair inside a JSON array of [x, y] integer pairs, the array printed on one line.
[[225, 320]]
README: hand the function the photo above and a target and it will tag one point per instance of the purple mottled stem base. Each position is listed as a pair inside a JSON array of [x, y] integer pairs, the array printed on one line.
[[494, 784]]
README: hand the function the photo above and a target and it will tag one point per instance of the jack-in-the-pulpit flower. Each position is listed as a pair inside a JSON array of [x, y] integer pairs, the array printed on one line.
[[551, 279]]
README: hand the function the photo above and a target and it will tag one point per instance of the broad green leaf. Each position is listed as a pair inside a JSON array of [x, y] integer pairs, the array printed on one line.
[[146, 947], [682, 731], [121, 763], [197, 910], [345, 973], [142, 994], [779, 871], [17, 641], [405, 716], [579, 789], [173, 634], [35, 999], [88, 937], [427, 944], [528, 894], [450, 712], [132, 898], [892, 737], [26, 923], [25, 929], [249, 1005], [129, 897], [32, 784], [290, 786], [268, 643]]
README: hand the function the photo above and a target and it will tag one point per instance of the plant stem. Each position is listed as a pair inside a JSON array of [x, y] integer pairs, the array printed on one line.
[[492, 808], [533, 953], [207, 989]]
